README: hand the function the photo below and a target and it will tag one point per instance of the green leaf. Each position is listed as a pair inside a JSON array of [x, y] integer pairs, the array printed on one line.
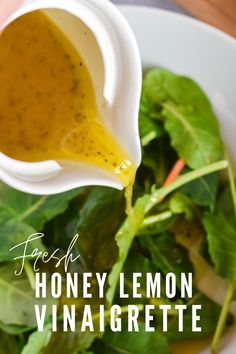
[[23, 214], [194, 137], [99, 219], [161, 85], [17, 299], [62, 228], [15, 330], [167, 256], [136, 263], [134, 221], [221, 236], [159, 156], [69, 342], [149, 127], [132, 342], [188, 116], [12, 233], [225, 202], [124, 239], [181, 204], [8, 344], [35, 210], [203, 191], [209, 315], [37, 341], [158, 227]]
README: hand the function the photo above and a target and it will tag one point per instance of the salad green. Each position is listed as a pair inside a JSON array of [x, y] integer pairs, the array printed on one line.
[[187, 225]]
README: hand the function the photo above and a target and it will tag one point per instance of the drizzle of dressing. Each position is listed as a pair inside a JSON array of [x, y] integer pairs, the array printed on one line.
[[47, 102]]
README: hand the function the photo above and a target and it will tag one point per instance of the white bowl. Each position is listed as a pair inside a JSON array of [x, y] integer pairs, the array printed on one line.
[[192, 48]]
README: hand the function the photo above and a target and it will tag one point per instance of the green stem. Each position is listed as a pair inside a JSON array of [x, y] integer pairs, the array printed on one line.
[[148, 138], [134, 221], [231, 179], [156, 218], [160, 194], [30, 274], [231, 288], [221, 323], [32, 209]]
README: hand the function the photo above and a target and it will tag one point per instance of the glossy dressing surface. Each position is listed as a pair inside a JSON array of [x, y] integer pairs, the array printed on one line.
[[47, 101]]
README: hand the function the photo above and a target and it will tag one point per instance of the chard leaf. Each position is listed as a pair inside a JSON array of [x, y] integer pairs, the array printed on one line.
[[99, 219], [132, 342], [203, 191], [17, 299], [221, 236], [167, 256], [37, 341]]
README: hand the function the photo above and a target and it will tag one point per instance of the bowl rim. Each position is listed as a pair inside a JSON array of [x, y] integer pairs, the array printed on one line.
[[181, 17]]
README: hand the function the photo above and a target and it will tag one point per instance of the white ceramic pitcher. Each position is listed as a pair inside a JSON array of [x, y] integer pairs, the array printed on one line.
[[112, 57]]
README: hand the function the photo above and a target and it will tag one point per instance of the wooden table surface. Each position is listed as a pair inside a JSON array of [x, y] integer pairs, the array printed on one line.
[[219, 13]]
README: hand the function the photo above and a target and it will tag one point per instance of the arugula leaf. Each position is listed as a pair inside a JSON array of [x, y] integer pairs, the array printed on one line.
[[17, 299], [37, 341], [221, 236], [99, 219], [188, 116], [203, 191], [131, 343], [167, 256]]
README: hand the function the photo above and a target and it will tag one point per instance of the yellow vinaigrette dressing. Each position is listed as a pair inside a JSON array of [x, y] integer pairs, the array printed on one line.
[[47, 101]]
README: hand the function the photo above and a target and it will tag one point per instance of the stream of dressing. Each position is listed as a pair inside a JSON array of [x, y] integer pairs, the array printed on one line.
[[48, 107]]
